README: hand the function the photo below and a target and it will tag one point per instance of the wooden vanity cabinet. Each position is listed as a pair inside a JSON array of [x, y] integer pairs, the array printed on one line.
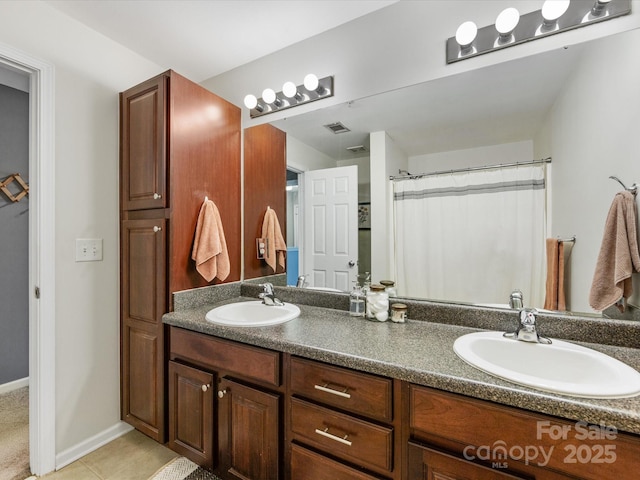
[[173, 153], [225, 402], [457, 437], [342, 422]]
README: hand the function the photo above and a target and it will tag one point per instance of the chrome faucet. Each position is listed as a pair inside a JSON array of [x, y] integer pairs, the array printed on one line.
[[516, 300], [526, 331], [268, 296], [302, 281]]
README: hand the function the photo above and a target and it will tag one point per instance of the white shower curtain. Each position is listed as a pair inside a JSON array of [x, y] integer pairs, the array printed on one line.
[[472, 236]]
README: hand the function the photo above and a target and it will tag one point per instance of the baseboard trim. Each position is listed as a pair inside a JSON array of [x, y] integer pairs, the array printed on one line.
[[89, 445], [15, 385]]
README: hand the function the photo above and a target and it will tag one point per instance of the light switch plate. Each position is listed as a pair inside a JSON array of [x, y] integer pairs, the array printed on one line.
[[88, 249]]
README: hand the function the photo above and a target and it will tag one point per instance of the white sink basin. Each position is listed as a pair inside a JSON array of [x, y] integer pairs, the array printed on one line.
[[252, 314], [561, 367]]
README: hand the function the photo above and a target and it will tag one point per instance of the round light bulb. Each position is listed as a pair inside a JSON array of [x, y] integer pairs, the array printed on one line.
[[311, 82], [507, 21], [466, 34], [250, 101], [552, 10], [289, 89], [268, 95]]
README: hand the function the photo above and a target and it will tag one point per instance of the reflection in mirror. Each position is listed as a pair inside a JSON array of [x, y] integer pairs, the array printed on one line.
[[577, 105]]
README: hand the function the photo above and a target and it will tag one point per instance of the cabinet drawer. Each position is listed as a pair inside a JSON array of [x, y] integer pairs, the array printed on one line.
[[426, 464], [226, 356], [356, 392], [341, 435], [308, 465]]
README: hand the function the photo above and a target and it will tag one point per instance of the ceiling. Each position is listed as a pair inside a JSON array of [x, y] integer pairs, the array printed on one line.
[[202, 39]]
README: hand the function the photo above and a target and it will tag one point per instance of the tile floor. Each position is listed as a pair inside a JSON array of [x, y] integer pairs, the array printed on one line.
[[133, 456]]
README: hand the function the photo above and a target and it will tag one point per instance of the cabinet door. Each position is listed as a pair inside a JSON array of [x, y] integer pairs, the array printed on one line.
[[428, 464], [191, 413], [143, 270], [143, 302], [249, 434], [143, 145]]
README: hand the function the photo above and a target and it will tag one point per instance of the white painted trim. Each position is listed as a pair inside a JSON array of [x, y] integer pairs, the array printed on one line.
[[14, 385], [42, 331], [91, 444]]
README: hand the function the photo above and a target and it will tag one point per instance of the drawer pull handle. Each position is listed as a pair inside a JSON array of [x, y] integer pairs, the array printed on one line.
[[325, 433], [323, 388], [157, 196], [156, 229]]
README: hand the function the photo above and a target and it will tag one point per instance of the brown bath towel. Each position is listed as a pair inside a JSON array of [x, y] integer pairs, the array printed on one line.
[[619, 256], [209, 246], [275, 242], [554, 299]]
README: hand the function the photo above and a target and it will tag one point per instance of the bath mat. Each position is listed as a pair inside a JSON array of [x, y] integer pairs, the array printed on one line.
[[182, 468]]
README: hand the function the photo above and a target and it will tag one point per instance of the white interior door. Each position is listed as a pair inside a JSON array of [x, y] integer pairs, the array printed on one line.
[[331, 227]]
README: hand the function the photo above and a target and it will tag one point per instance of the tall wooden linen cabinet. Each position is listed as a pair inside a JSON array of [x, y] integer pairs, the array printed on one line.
[[179, 143]]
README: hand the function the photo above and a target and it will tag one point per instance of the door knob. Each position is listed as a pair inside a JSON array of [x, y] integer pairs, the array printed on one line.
[[157, 196], [156, 229], [205, 387], [221, 393], [352, 263]]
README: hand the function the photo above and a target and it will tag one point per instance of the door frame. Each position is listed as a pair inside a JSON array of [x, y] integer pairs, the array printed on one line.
[[42, 332]]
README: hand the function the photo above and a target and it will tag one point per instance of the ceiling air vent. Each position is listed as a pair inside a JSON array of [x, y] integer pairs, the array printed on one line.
[[357, 149], [337, 128]]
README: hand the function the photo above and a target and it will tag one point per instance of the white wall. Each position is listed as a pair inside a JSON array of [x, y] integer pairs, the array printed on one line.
[[90, 70], [386, 160], [587, 152], [473, 157], [302, 157]]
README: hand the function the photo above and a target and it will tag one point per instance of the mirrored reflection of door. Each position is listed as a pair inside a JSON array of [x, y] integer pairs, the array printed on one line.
[[330, 241]]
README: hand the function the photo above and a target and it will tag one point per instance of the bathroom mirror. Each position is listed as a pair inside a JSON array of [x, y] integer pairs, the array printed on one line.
[[577, 105]]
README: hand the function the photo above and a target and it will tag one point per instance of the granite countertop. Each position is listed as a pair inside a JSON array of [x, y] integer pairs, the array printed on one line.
[[417, 351]]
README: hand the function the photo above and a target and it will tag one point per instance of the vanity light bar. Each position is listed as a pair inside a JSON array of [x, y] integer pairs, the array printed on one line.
[[533, 26], [291, 96]]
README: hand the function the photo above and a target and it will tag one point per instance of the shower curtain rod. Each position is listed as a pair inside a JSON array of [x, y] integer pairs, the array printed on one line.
[[469, 169]]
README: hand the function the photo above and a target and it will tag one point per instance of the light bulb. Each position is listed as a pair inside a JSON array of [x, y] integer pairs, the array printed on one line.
[[289, 89], [507, 21], [250, 101], [552, 10], [268, 95], [466, 34], [311, 82]]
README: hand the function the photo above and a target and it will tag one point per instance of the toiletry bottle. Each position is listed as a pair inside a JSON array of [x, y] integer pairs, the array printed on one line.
[[357, 302]]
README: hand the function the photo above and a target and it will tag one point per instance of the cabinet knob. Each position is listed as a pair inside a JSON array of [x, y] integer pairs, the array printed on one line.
[[221, 393], [205, 387], [157, 228], [157, 196]]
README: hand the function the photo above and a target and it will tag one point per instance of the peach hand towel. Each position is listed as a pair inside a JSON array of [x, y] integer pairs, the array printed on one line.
[[555, 299], [209, 246], [276, 245], [619, 256]]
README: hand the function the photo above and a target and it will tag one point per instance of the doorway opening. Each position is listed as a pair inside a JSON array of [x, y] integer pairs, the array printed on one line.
[[41, 254]]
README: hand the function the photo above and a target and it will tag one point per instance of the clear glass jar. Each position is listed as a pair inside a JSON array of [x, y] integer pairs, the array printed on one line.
[[357, 302], [377, 303], [398, 312], [390, 287]]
